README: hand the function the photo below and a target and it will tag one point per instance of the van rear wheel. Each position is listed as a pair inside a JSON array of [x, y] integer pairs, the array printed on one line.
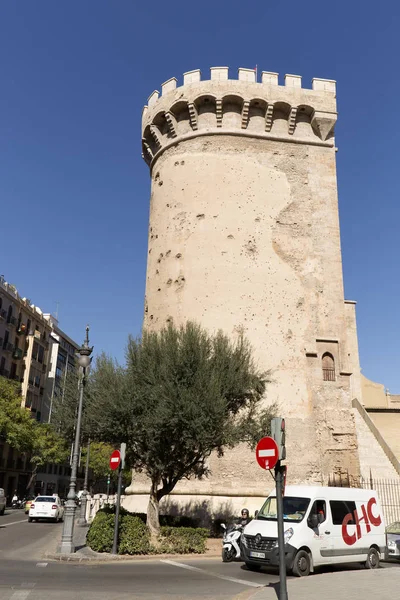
[[372, 561], [302, 564]]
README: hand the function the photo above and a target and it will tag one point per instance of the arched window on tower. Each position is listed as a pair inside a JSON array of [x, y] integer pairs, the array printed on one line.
[[328, 367]]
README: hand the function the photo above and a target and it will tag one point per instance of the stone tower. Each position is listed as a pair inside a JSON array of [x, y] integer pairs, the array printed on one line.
[[244, 235]]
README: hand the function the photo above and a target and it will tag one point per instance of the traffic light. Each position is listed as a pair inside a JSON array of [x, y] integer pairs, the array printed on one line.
[[278, 434]]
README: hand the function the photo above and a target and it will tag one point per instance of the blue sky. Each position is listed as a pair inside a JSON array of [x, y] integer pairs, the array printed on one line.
[[74, 76]]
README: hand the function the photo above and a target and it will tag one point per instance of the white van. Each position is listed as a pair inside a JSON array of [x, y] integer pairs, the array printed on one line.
[[322, 525]]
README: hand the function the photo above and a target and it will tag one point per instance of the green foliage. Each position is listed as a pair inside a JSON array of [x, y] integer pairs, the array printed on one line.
[[183, 540], [17, 427], [25, 434], [101, 532], [182, 395], [134, 536], [48, 446]]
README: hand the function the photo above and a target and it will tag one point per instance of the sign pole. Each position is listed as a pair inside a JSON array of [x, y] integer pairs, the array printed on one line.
[[281, 538], [116, 521], [115, 541]]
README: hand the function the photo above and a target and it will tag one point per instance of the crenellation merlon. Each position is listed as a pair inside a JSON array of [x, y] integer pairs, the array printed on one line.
[[203, 106], [192, 77], [168, 85]]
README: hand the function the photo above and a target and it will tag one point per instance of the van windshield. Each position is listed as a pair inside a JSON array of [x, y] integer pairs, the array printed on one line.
[[294, 509]]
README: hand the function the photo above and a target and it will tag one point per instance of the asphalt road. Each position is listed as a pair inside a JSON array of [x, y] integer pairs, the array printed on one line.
[[21, 540], [26, 575]]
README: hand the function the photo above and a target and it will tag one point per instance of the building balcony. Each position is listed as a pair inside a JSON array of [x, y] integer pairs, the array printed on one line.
[[12, 321], [37, 335], [3, 314], [8, 347], [22, 329], [18, 353]]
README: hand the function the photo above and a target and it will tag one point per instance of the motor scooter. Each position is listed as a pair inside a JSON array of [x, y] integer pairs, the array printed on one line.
[[16, 504], [231, 542]]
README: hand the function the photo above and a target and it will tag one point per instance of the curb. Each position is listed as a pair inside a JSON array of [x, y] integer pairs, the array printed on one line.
[[80, 557]]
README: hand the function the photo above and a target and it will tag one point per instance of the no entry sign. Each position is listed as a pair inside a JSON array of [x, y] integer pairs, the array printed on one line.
[[115, 460], [267, 453]]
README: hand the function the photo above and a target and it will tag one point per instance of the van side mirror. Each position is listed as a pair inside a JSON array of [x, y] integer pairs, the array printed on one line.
[[313, 521], [256, 513]]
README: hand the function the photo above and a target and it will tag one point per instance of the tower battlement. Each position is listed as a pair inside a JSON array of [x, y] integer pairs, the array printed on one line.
[[242, 106]]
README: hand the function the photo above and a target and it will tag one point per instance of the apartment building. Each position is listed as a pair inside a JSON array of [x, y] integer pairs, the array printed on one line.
[[37, 354]]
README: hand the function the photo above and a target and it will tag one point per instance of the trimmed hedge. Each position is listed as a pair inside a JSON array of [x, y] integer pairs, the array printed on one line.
[[183, 540], [134, 536], [165, 520]]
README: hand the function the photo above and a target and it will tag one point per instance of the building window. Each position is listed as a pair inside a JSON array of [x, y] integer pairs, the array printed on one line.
[[328, 367]]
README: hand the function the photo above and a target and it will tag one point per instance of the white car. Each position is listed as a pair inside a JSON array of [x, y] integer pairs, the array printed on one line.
[[46, 507]]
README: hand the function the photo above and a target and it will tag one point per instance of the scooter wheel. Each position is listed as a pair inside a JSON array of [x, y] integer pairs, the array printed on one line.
[[228, 554]]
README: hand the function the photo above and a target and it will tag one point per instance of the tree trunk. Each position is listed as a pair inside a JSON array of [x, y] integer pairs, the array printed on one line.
[[153, 514], [32, 479]]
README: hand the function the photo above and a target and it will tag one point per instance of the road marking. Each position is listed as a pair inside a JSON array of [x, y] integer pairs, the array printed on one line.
[[14, 523], [225, 577], [42, 564], [20, 595]]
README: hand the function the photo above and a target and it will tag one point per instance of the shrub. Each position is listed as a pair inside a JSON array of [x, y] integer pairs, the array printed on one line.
[[178, 521], [182, 540], [134, 536], [101, 532]]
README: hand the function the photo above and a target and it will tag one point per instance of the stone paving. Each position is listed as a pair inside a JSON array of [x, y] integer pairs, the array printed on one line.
[[382, 584]]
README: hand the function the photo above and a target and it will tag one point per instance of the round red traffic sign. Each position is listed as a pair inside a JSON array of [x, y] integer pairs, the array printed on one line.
[[267, 453], [115, 460]]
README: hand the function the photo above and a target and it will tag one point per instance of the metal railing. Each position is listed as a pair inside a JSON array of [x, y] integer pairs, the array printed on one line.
[[388, 491]]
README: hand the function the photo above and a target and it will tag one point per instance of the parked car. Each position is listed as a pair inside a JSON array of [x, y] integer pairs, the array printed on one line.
[[393, 540], [28, 503], [3, 501], [46, 507]]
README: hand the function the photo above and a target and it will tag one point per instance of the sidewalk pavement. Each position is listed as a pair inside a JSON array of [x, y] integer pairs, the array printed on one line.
[[380, 584]]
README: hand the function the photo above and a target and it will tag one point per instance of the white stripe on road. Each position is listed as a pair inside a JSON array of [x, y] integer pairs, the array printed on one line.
[[13, 523], [42, 564], [190, 568], [20, 595]]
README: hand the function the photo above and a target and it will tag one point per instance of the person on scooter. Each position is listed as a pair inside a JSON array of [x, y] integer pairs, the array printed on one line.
[[244, 518]]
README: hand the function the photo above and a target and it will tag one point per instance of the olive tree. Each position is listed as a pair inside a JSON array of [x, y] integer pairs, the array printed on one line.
[[182, 395]]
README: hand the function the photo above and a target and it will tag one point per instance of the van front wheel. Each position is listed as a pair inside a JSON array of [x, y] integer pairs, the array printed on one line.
[[302, 564], [372, 561]]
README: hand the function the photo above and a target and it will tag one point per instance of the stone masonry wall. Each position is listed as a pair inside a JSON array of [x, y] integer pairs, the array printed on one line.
[[244, 236]]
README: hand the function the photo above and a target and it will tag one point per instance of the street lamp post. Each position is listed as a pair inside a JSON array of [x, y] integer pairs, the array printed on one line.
[[67, 543], [84, 498]]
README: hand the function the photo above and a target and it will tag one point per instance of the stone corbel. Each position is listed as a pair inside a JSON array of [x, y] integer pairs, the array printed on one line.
[[193, 116], [245, 114], [172, 124], [147, 153], [218, 110], [156, 134], [292, 120], [323, 123], [268, 117]]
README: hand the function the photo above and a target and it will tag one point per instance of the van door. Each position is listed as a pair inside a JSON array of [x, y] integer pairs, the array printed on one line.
[[320, 523]]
